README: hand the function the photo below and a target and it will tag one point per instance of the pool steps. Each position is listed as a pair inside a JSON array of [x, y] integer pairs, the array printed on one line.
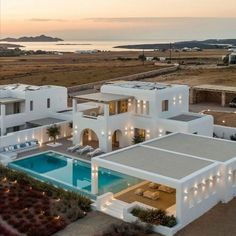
[[114, 208]]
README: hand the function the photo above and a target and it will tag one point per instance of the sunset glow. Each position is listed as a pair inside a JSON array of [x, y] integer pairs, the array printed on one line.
[[60, 17]]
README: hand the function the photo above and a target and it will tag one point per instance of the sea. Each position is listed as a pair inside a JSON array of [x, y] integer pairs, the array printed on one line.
[[73, 46]]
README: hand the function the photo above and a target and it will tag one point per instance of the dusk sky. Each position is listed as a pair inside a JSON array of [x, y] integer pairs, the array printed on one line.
[[118, 20]]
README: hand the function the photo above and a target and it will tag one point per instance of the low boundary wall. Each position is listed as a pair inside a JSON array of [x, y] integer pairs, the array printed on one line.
[[139, 76]]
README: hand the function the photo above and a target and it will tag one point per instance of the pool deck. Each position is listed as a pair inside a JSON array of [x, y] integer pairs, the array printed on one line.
[[62, 149]]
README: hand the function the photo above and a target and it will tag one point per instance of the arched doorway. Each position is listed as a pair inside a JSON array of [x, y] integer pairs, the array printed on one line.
[[116, 139], [89, 137]]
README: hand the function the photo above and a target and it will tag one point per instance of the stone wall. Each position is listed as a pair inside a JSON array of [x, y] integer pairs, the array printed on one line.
[[139, 76]]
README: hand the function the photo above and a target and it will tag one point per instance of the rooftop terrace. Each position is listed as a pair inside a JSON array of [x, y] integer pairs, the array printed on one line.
[[141, 85]]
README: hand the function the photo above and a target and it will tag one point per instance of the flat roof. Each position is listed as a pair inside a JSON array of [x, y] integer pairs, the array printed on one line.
[[176, 166], [208, 148], [185, 117], [10, 100], [45, 121], [102, 97], [216, 88], [141, 85]]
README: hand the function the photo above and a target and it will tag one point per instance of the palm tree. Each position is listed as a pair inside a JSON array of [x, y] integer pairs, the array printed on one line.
[[53, 131]]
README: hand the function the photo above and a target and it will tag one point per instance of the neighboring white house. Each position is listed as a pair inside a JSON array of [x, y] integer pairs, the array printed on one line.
[[25, 106], [232, 58], [110, 119], [201, 169]]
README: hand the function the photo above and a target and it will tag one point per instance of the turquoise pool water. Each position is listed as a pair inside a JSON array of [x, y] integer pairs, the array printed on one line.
[[71, 174]]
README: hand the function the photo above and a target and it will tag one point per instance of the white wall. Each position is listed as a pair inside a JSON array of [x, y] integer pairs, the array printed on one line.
[[201, 192], [39, 133], [224, 131]]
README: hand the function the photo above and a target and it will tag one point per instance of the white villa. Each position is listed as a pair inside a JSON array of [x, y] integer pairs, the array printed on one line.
[[124, 110], [179, 166], [27, 110], [198, 177]]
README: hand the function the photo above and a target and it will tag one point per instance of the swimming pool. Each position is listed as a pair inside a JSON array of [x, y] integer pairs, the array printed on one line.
[[70, 174]]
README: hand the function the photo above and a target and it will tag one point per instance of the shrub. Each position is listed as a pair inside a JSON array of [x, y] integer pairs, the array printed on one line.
[[233, 137], [138, 139], [154, 216], [133, 229]]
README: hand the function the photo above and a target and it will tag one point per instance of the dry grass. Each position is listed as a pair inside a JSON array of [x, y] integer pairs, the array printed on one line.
[[67, 70], [197, 75], [73, 69]]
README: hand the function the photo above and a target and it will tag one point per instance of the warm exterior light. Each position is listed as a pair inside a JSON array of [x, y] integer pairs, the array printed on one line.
[[174, 98], [223, 121], [144, 102]]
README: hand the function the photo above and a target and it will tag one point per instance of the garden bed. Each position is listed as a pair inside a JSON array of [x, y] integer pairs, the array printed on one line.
[[137, 211], [30, 207]]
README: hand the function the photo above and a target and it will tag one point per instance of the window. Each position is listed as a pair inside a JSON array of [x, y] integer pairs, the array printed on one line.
[[165, 105], [31, 105], [48, 103]]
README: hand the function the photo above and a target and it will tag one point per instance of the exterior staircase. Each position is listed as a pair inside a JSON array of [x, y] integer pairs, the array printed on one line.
[[114, 208]]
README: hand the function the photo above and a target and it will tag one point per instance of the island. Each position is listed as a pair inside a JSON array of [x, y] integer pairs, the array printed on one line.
[[41, 38], [204, 44]]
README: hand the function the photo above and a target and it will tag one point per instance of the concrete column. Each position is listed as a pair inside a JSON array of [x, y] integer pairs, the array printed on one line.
[[223, 98], [179, 204], [74, 104], [3, 114], [106, 110], [94, 179], [192, 96]]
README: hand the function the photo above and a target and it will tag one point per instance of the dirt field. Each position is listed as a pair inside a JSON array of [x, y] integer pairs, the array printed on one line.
[[219, 221], [196, 75], [74, 69], [223, 118]]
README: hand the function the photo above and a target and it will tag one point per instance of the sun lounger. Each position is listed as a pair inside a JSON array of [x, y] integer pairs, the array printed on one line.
[[94, 153], [151, 195], [139, 192], [153, 185], [166, 189], [74, 148], [85, 150]]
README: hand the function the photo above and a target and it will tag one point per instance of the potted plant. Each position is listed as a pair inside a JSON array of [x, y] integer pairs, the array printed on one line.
[[53, 131]]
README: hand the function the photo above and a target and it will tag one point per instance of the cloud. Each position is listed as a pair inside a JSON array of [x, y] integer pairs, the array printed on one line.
[[45, 20]]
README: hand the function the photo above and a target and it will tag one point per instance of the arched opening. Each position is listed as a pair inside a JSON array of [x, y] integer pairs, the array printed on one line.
[[89, 137], [116, 140]]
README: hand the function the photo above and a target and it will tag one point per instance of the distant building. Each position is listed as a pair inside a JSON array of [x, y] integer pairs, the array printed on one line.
[[87, 51], [232, 58]]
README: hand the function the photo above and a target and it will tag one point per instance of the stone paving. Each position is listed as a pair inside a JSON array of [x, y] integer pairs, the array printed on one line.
[[94, 223]]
